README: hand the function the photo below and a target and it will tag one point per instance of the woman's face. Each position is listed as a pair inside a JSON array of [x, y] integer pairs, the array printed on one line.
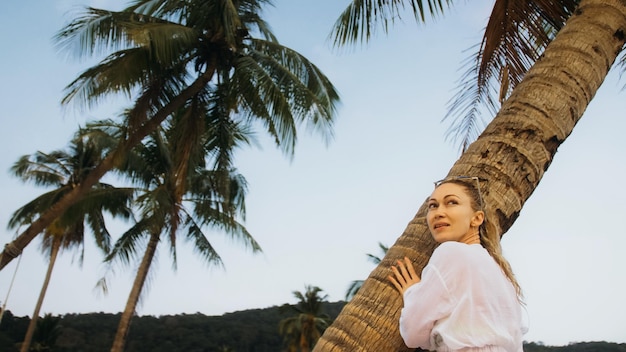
[[451, 216]]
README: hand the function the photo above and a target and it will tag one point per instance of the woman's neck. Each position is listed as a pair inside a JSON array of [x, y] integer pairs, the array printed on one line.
[[472, 237]]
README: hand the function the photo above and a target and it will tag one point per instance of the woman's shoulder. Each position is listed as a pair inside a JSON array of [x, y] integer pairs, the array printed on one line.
[[454, 247], [452, 251]]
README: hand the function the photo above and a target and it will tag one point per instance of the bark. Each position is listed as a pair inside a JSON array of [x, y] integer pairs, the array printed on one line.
[[131, 304], [512, 155], [30, 332], [13, 249]]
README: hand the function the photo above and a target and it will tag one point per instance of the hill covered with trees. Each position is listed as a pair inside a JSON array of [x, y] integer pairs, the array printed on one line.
[[250, 330], [253, 330]]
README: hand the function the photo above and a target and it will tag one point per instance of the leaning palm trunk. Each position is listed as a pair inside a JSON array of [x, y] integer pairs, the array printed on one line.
[[30, 332], [512, 154], [142, 273], [14, 248]]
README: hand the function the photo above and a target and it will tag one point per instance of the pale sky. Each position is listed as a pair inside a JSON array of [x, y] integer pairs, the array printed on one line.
[[317, 216]]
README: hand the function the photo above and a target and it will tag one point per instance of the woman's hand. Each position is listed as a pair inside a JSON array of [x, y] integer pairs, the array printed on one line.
[[404, 275]]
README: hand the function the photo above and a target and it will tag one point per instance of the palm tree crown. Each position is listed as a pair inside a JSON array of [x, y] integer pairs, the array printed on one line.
[[302, 331], [177, 195], [217, 59], [64, 170], [162, 47]]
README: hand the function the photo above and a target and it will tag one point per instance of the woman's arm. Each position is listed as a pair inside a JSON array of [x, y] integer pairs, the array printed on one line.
[[426, 299], [424, 304]]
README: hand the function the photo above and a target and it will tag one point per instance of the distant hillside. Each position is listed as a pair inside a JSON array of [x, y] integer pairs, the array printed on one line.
[[250, 330], [253, 330]]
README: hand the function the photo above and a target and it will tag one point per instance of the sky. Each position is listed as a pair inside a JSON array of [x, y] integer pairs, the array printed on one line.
[[316, 216]]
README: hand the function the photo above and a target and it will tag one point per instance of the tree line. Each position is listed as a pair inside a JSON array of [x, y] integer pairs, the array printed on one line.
[[254, 330]]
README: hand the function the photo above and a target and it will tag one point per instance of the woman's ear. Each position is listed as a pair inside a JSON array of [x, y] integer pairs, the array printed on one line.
[[478, 218]]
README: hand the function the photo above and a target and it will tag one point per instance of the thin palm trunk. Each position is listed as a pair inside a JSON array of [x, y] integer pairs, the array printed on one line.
[[512, 154], [305, 335], [30, 332], [131, 304], [14, 248]]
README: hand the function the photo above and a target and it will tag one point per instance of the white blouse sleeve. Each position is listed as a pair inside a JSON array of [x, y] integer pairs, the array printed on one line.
[[424, 304]]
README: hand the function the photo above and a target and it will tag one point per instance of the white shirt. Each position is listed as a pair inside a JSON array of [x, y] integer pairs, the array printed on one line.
[[464, 302]]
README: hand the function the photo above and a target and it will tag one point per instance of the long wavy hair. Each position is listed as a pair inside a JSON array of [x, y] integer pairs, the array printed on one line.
[[488, 231]]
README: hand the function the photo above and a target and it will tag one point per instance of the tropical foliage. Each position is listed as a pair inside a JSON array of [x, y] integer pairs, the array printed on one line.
[[356, 284], [64, 170], [301, 331], [176, 196], [218, 61], [252, 330], [46, 334], [516, 34], [212, 73]]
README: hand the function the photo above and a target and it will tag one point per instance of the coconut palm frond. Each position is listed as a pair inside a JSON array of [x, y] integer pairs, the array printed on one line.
[[359, 21], [514, 38], [282, 89], [201, 244]]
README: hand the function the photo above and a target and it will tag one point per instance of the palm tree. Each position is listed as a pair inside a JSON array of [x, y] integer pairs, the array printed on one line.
[[302, 331], [510, 157], [46, 333], [167, 54], [356, 284], [64, 170], [178, 196]]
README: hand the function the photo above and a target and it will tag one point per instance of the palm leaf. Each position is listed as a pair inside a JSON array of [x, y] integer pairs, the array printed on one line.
[[515, 36], [223, 133], [201, 244], [281, 88], [126, 247], [42, 169], [358, 22], [97, 31]]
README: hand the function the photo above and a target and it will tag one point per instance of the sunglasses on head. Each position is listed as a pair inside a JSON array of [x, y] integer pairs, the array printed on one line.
[[464, 179]]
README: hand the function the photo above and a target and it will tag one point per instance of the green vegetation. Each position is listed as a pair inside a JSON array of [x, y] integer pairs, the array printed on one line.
[[201, 78], [245, 331], [302, 330], [64, 170], [355, 286]]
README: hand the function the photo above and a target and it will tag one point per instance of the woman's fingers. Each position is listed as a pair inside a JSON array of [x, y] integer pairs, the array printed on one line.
[[411, 268], [399, 277], [395, 283], [403, 269], [404, 275]]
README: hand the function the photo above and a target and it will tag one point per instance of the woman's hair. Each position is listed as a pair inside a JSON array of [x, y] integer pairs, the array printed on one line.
[[488, 232]]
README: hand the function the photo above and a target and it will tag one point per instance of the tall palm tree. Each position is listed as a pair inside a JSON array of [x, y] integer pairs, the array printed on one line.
[[164, 54], [178, 196], [302, 330], [510, 157], [46, 334], [64, 170], [355, 285]]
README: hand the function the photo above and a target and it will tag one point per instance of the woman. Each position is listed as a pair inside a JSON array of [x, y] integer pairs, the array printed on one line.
[[467, 298]]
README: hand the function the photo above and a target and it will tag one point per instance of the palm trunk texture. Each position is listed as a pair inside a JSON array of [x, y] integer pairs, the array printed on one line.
[[30, 332], [142, 273], [512, 154], [13, 249]]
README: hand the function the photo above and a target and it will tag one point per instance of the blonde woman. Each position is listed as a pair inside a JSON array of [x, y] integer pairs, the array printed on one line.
[[467, 298]]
